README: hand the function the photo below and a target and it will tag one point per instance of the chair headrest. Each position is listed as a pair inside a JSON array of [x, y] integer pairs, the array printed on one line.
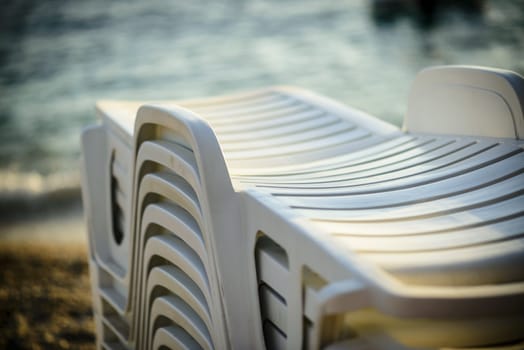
[[467, 100]]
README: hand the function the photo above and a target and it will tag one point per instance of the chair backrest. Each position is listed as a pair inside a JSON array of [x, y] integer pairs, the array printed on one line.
[[178, 151], [467, 100]]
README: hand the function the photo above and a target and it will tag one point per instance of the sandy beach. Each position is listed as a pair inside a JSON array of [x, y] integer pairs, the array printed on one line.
[[45, 297]]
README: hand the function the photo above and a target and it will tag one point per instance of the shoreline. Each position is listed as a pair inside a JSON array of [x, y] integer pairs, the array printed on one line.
[[36, 208], [58, 223], [30, 194]]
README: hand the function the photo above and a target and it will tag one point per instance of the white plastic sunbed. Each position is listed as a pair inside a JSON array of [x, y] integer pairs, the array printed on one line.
[[280, 219]]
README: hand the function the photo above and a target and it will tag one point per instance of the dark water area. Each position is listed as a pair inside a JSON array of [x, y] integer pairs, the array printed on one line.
[[58, 57]]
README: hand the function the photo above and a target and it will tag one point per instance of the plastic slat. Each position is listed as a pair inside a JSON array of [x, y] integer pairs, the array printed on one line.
[[272, 272], [169, 185], [478, 197], [330, 130], [113, 346], [422, 241], [459, 161], [459, 220], [175, 281], [497, 261], [259, 99], [174, 337], [251, 110], [433, 185], [285, 117], [378, 166], [114, 299], [273, 307], [118, 327], [282, 131], [381, 150], [335, 139], [273, 337], [170, 248], [181, 314], [232, 99], [243, 168], [169, 154]]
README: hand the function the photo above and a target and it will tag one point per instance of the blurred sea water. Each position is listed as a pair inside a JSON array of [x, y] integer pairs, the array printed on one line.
[[58, 57]]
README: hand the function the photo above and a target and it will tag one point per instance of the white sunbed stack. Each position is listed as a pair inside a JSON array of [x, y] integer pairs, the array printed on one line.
[[280, 219]]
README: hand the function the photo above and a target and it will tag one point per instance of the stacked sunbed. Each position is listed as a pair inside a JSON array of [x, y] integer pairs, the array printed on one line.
[[280, 219]]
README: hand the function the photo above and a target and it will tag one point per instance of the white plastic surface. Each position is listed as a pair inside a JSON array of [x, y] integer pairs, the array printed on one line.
[[174, 228], [466, 100], [289, 221], [105, 187]]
